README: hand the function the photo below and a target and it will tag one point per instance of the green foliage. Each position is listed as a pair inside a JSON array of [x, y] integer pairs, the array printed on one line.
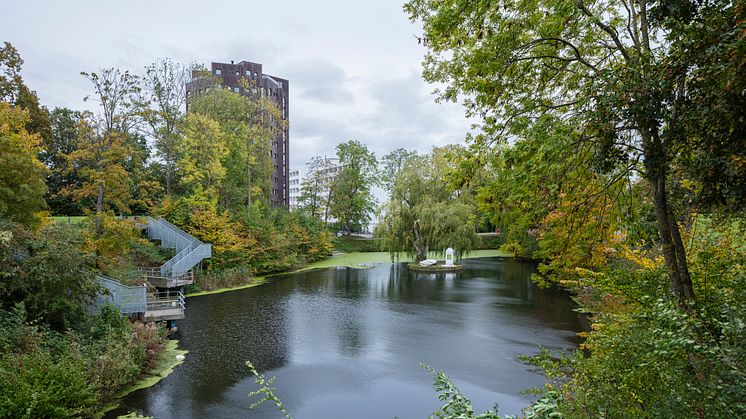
[[392, 163], [425, 213], [248, 126], [490, 242], [266, 391], [350, 244], [44, 373], [647, 357], [100, 158], [352, 201], [15, 92], [46, 271], [62, 142], [22, 185], [316, 188], [109, 238], [161, 103], [10, 79], [254, 242], [215, 279], [36, 385], [649, 90], [201, 152], [455, 405]]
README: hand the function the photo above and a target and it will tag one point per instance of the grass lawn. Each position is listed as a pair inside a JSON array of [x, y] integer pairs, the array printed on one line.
[[64, 219]]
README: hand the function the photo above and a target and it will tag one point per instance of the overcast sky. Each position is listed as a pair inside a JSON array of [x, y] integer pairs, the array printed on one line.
[[354, 66]]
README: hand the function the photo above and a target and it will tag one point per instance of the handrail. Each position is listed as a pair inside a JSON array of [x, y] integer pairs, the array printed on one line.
[[167, 300], [177, 230], [170, 235], [166, 267], [128, 299], [190, 259], [189, 250]]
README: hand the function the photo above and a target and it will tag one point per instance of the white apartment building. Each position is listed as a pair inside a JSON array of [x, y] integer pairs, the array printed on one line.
[[294, 189]]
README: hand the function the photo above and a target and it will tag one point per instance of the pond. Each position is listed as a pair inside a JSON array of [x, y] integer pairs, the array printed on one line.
[[346, 342]]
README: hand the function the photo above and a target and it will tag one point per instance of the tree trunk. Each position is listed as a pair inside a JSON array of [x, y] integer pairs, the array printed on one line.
[[326, 207], [420, 248], [99, 210], [248, 186], [168, 178], [674, 253]]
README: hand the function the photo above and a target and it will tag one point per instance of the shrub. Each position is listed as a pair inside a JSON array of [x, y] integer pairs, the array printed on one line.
[[47, 272], [38, 385]]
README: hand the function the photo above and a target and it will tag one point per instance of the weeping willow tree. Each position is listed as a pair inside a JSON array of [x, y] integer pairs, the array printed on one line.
[[424, 213]]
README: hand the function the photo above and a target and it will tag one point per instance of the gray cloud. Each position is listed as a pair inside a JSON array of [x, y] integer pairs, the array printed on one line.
[[350, 78], [319, 80]]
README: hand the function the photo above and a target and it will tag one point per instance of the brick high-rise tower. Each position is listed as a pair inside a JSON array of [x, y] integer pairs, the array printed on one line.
[[276, 89]]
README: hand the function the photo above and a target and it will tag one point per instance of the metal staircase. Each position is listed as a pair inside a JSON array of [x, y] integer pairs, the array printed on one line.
[[168, 303], [177, 271]]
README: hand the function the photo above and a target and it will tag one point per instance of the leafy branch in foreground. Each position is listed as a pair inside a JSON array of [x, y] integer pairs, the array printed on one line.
[[456, 404], [266, 391]]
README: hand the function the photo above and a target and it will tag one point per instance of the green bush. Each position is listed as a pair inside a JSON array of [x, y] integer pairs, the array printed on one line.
[[647, 357], [354, 244], [490, 242], [38, 385], [225, 278], [45, 373], [47, 272]]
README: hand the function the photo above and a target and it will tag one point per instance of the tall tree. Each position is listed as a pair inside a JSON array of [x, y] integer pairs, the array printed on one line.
[[23, 126], [22, 185], [392, 163], [613, 69], [249, 124], [100, 159], [104, 147], [10, 79], [424, 212], [201, 152], [14, 91], [352, 201], [164, 100], [63, 141], [317, 186]]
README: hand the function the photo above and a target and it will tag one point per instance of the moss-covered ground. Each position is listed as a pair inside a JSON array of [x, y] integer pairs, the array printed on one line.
[[169, 361]]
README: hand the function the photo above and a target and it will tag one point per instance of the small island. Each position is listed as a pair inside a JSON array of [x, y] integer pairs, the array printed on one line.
[[439, 267]]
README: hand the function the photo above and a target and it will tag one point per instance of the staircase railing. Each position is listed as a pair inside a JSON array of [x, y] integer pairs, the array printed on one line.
[[189, 250], [129, 300]]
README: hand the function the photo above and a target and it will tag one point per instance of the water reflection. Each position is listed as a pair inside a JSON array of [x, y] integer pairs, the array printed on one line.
[[351, 340]]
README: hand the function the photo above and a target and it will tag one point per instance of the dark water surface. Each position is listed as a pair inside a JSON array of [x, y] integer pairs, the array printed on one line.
[[347, 343]]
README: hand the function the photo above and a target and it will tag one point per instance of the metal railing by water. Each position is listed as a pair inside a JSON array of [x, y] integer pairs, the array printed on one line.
[[166, 300], [135, 300]]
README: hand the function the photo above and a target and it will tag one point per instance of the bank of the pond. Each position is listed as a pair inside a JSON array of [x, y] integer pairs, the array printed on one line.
[[171, 357], [350, 260]]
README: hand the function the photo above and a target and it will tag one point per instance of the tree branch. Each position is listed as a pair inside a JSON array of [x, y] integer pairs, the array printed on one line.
[[606, 28]]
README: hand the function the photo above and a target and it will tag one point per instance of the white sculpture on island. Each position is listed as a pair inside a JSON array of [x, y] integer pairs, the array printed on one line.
[[449, 256]]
